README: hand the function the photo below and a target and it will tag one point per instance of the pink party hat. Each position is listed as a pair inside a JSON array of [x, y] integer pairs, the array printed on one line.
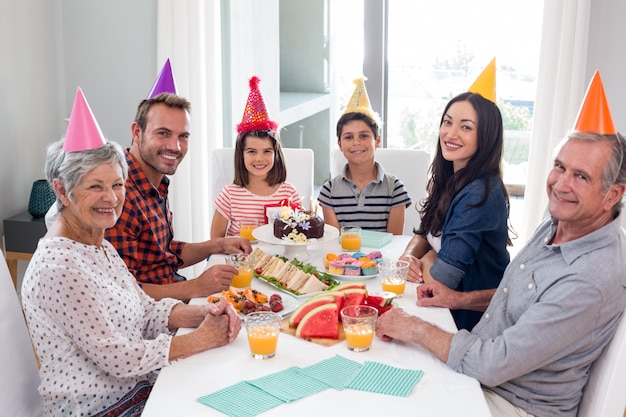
[[255, 115], [165, 82], [83, 132], [594, 114]]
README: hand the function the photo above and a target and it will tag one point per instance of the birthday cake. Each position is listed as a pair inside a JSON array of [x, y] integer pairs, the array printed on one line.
[[298, 225]]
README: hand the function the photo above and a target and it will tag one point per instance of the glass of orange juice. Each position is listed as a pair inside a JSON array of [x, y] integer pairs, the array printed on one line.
[[359, 325], [245, 266], [263, 328], [247, 227], [393, 274], [350, 238]]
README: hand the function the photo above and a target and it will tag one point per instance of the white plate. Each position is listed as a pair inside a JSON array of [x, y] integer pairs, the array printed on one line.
[[355, 278], [290, 302], [265, 234]]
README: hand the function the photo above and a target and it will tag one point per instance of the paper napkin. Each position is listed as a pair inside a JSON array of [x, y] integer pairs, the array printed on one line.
[[335, 372], [384, 379], [289, 385], [240, 400]]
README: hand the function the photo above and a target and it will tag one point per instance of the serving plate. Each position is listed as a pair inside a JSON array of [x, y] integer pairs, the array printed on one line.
[[290, 302]]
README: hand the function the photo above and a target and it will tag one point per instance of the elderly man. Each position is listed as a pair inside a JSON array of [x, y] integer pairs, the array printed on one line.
[[560, 300]]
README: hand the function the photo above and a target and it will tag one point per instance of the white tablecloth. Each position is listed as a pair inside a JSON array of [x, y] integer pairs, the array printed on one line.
[[441, 391]]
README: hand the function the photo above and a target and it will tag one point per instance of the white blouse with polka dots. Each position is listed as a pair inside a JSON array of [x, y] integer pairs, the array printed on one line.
[[95, 331]]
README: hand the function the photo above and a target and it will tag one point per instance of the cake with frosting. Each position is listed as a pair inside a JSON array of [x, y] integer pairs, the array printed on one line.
[[298, 225]]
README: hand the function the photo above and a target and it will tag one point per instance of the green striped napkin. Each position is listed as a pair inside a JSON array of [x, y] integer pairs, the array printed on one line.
[[241, 400], [335, 372], [289, 385], [384, 379]]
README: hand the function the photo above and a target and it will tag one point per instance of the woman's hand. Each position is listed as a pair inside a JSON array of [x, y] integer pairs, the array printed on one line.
[[234, 321], [415, 269]]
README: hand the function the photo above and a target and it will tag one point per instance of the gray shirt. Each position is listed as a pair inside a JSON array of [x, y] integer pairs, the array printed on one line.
[[369, 208], [555, 310]]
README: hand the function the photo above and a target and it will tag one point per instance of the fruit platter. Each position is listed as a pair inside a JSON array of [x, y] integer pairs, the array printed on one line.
[[318, 320], [248, 300]]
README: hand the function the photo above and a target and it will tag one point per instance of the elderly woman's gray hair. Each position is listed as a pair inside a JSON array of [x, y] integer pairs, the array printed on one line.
[[70, 167]]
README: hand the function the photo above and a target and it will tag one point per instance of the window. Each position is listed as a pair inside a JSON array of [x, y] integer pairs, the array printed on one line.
[[434, 51]]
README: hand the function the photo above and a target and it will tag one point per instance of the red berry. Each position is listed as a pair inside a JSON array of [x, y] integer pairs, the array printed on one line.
[[259, 271]]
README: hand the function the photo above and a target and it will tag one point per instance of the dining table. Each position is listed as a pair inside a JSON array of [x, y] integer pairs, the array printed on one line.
[[440, 392]]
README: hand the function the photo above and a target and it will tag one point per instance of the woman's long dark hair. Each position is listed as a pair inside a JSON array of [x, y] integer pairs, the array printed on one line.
[[444, 184]]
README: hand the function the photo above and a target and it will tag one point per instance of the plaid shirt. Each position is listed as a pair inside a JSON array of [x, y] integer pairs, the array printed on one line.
[[143, 236]]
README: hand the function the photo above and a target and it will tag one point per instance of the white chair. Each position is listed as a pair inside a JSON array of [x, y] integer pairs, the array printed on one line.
[[299, 164], [19, 377], [409, 165], [605, 392]]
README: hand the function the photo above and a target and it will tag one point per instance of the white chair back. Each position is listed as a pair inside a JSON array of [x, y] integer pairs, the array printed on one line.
[[605, 392], [409, 165], [19, 377], [299, 164]]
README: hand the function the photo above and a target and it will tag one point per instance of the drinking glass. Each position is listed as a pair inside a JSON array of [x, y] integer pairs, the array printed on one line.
[[246, 228], [359, 325], [393, 273], [245, 266], [263, 328], [350, 238]]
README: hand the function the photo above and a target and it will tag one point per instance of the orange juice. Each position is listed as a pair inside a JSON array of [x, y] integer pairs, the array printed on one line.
[[393, 284], [351, 242], [359, 336], [245, 231], [243, 279], [263, 339]]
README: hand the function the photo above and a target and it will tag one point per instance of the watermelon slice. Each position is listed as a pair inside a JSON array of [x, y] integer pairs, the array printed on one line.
[[381, 301], [307, 306], [355, 296], [348, 285], [322, 321], [340, 297]]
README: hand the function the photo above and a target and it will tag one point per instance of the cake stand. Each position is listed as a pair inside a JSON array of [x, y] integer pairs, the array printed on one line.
[[293, 250]]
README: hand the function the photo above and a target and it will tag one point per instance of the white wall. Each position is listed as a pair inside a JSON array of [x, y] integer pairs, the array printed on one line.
[[607, 54], [47, 49]]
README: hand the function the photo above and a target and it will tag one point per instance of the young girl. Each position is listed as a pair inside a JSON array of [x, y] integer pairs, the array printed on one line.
[[363, 195], [463, 236], [260, 171]]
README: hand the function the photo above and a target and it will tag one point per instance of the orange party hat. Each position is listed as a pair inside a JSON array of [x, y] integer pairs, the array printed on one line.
[[83, 132], [360, 101], [594, 114], [255, 115], [485, 84]]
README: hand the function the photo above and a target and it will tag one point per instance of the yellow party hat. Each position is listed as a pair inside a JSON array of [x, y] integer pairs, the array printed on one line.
[[360, 101], [594, 114], [485, 84]]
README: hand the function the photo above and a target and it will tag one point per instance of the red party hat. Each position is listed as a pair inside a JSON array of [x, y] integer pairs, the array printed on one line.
[[165, 82], [594, 114], [83, 132], [255, 115]]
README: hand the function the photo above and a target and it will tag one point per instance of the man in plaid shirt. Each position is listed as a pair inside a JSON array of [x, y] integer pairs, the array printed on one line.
[[143, 235]]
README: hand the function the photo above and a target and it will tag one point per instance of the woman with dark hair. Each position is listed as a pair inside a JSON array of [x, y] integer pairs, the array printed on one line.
[[463, 236]]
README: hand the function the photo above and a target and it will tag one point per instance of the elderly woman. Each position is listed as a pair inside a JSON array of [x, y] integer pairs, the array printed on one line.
[[98, 336]]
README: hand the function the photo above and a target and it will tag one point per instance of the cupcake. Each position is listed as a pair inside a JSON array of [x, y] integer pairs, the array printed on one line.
[[352, 270], [336, 267], [369, 268], [375, 255], [329, 258], [344, 256], [358, 255]]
